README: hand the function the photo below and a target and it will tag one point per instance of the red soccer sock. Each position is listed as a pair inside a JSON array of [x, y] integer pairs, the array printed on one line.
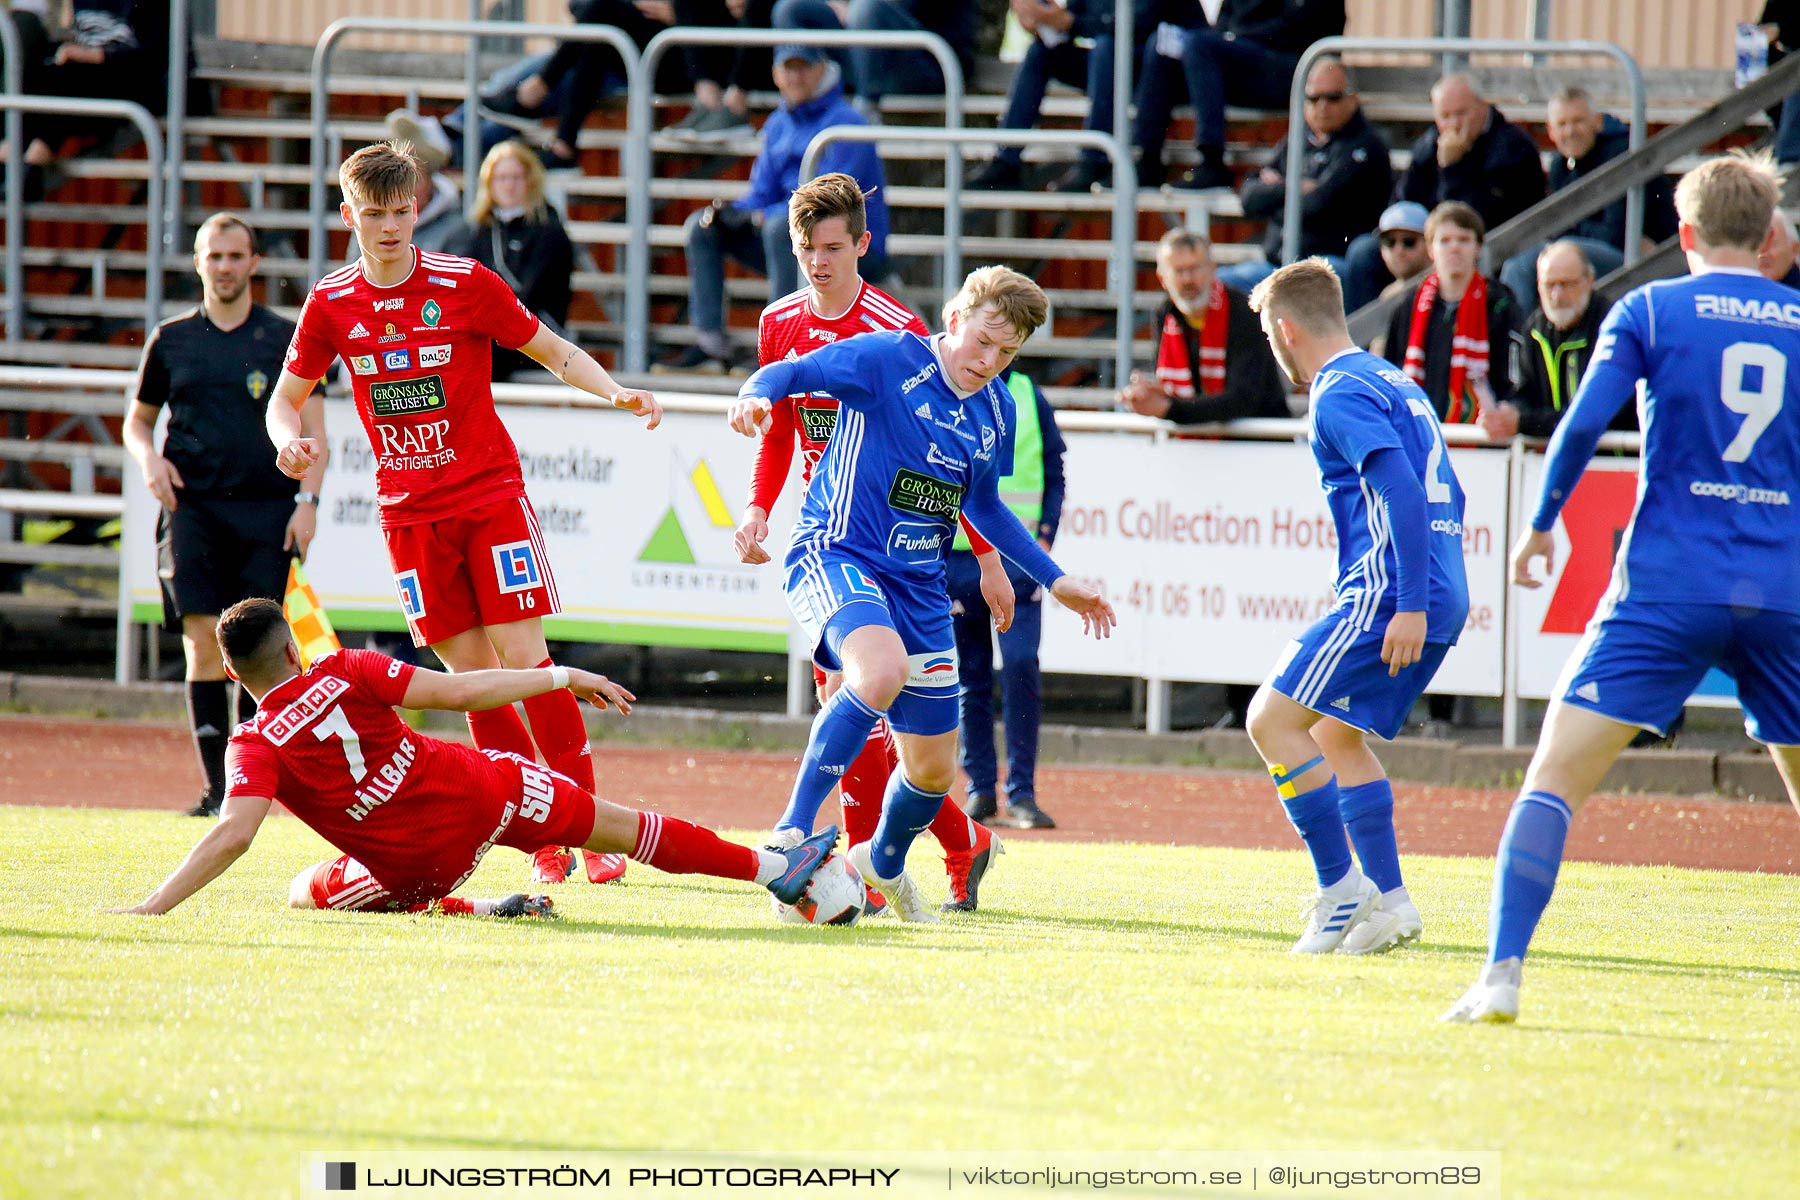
[[456, 906], [864, 785], [500, 729], [562, 736], [953, 829], [682, 848]]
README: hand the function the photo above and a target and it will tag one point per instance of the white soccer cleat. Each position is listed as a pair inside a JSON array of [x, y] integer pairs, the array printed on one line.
[[1385, 929], [1494, 1000], [902, 895], [785, 838], [1333, 914]]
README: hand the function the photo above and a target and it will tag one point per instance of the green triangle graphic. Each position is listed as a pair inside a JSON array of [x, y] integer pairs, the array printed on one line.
[[668, 544]]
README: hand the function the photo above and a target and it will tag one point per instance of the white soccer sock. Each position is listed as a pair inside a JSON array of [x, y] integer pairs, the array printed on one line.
[[1398, 896], [769, 865]]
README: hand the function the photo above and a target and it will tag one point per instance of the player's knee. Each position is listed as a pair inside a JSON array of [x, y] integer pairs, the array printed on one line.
[[300, 888], [1263, 719], [615, 829]]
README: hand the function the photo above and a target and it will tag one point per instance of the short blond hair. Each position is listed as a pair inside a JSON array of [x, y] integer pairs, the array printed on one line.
[[1014, 296], [828, 196], [1307, 293], [1730, 200], [380, 174]]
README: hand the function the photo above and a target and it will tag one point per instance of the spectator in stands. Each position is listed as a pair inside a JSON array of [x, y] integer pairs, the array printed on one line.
[[1345, 178], [438, 141], [1212, 361], [1473, 155], [753, 229], [1453, 335], [1247, 58], [1780, 23], [1551, 353], [1033, 489], [1776, 260], [582, 68], [1072, 44], [1585, 141], [515, 232], [229, 520], [724, 76], [1403, 251], [871, 73]]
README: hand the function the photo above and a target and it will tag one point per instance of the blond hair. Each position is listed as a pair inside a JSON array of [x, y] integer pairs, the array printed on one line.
[[535, 208], [380, 174], [220, 221], [1455, 212], [1016, 298], [828, 196], [1730, 200], [1307, 293]]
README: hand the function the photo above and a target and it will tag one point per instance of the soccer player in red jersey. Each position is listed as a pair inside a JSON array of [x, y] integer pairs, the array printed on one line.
[[830, 232], [413, 814], [416, 330]]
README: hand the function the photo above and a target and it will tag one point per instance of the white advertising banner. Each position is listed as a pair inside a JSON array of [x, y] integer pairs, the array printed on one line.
[[638, 526], [1216, 553]]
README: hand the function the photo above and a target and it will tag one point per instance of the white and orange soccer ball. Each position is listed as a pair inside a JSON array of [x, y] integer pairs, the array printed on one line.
[[833, 897]]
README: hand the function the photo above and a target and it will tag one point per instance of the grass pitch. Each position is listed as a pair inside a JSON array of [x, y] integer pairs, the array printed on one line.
[[1107, 997]]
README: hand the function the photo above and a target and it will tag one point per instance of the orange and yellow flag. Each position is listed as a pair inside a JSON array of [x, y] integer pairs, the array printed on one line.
[[312, 628]]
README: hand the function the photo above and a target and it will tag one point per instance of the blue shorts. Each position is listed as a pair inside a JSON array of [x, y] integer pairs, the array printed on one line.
[[1639, 662], [831, 595], [1335, 669]]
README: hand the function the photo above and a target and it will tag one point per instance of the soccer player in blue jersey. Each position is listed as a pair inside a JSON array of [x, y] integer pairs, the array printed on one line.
[[1402, 599], [923, 433], [1708, 573]]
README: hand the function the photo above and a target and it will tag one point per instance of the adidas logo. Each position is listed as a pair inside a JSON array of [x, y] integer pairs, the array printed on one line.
[[359, 330], [1342, 704], [923, 412], [831, 770], [1589, 692]]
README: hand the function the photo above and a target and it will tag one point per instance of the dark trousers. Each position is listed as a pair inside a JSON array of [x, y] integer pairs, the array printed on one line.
[[1067, 63], [871, 74], [1213, 70], [744, 67], [583, 67], [1021, 682]]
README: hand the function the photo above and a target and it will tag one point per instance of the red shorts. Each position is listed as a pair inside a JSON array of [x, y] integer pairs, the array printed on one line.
[[553, 809], [483, 567]]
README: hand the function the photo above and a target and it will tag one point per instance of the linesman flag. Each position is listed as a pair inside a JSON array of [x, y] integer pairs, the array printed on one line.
[[312, 628]]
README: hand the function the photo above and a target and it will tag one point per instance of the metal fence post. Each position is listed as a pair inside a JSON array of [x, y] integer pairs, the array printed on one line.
[[15, 181]]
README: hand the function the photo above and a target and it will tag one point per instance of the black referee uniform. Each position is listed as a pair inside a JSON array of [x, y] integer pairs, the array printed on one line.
[[223, 542]]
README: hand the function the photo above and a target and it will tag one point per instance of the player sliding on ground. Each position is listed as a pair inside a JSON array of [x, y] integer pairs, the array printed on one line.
[[1401, 602], [1708, 573], [923, 434], [412, 814], [416, 331], [829, 224]]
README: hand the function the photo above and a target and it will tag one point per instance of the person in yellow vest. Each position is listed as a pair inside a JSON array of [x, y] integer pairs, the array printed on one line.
[[1033, 489]]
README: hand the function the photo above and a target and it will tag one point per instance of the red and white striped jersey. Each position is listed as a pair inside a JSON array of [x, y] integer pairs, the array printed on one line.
[[420, 355]]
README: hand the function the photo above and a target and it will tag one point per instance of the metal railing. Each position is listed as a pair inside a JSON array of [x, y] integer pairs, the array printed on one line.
[[1122, 269], [1296, 145], [15, 179], [321, 72], [637, 304], [176, 120]]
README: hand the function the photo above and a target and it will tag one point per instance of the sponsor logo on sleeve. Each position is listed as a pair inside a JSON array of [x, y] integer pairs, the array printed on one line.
[[363, 364], [340, 293], [935, 669], [925, 495], [440, 281], [434, 356], [397, 360], [403, 397]]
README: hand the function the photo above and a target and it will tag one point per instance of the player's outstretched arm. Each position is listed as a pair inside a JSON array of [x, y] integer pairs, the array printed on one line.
[[577, 368], [476, 691], [295, 453], [210, 858], [1097, 615]]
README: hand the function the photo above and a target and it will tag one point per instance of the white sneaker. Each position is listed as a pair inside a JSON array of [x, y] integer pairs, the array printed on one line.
[[430, 141], [785, 838], [1494, 999], [1334, 913], [902, 895], [1385, 929]]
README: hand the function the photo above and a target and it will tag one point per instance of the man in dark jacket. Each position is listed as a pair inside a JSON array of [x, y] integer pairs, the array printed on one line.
[[1212, 361], [1472, 154], [1345, 179], [1586, 140], [1551, 353], [1247, 57]]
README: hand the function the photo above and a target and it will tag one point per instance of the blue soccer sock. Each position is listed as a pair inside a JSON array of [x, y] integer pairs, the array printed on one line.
[[1316, 818], [838, 734], [1367, 810], [1525, 869], [906, 812]]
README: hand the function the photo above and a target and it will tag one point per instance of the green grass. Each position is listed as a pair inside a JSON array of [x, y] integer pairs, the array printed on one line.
[[1106, 998]]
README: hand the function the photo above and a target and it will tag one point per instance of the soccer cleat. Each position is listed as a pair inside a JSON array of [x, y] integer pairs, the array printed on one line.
[[966, 869], [902, 895], [1332, 914], [1384, 930], [1494, 1000], [802, 861], [1025, 814], [204, 807], [520, 905], [551, 864], [603, 868], [875, 904]]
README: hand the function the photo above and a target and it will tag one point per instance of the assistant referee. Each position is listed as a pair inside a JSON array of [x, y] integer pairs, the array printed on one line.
[[230, 520]]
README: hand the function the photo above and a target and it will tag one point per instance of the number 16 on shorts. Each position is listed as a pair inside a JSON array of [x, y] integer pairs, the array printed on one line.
[[516, 571]]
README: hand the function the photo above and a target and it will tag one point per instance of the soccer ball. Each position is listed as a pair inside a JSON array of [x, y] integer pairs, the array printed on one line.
[[833, 897]]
